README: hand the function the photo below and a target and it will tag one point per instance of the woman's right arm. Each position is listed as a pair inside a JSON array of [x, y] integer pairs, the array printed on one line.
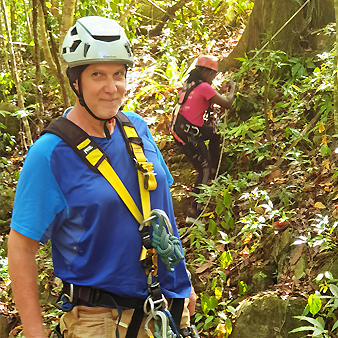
[[23, 274]]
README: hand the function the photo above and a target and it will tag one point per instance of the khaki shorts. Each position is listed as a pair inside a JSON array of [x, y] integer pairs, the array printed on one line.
[[100, 322]]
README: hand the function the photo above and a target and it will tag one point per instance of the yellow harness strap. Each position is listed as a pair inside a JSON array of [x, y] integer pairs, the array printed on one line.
[[146, 179], [110, 175], [147, 182]]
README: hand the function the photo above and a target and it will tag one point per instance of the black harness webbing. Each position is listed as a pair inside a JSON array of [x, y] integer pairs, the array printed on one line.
[[73, 135], [181, 100]]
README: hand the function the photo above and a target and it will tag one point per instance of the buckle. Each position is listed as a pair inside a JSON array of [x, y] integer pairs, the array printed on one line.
[[94, 297], [197, 131], [70, 297]]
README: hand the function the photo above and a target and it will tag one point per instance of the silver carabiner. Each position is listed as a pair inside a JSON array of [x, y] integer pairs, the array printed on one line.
[[166, 219], [145, 221], [163, 318]]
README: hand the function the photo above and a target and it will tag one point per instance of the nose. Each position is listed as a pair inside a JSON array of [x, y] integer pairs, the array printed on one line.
[[110, 86]]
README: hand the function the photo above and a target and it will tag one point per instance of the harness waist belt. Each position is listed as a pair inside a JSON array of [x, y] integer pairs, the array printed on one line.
[[90, 296]]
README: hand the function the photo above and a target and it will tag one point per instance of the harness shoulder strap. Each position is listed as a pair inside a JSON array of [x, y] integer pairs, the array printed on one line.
[[74, 136], [181, 100], [96, 159], [135, 148]]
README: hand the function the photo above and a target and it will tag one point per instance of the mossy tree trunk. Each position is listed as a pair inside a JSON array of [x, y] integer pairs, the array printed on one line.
[[267, 19]]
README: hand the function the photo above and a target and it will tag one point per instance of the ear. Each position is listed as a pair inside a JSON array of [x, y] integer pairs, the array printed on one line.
[[76, 84]]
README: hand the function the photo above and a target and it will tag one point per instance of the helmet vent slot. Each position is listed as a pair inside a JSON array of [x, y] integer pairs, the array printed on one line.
[[74, 31], [109, 38], [74, 45], [127, 47], [85, 50]]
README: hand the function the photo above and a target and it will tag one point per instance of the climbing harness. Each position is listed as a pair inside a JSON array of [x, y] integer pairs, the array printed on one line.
[[181, 100], [162, 242]]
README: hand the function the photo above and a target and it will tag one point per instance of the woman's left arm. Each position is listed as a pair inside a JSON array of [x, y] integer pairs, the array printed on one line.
[[225, 102]]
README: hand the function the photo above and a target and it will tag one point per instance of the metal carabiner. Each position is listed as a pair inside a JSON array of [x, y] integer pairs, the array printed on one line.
[[165, 218], [145, 221], [149, 304], [146, 326], [163, 318], [187, 128]]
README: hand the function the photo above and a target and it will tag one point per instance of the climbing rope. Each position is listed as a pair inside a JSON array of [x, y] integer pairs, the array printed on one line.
[[166, 244]]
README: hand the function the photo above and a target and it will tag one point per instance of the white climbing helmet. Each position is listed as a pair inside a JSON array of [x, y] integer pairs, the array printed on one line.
[[95, 39]]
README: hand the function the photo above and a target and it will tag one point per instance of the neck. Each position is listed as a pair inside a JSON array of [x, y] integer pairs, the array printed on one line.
[[88, 123]]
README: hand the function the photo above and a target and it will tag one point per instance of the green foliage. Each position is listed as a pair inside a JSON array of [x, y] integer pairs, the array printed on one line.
[[4, 275], [321, 233], [6, 140], [215, 313], [6, 86], [9, 175], [322, 308]]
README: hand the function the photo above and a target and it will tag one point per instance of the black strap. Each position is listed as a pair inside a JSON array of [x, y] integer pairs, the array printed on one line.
[[176, 310], [135, 324], [73, 135], [190, 87], [90, 296], [57, 332]]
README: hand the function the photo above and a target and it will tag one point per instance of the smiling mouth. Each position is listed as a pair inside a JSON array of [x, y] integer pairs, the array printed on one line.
[[109, 100]]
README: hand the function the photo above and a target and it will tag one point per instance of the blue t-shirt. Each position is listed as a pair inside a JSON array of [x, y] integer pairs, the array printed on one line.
[[95, 239]]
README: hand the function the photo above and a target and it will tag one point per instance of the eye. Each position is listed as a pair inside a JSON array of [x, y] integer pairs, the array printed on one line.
[[120, 73], [96, 74]]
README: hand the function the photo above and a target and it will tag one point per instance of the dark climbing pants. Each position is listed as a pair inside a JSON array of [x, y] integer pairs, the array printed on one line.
[[203, 158]]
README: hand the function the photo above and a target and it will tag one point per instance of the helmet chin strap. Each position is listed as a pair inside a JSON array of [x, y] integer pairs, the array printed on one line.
[[83, 104]]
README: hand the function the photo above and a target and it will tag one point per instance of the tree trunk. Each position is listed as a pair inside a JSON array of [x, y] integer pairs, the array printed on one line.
[[13, 20], [55, 9], [68, 12], [3, 52], [28, 22], [57, 62], [171, 12], [286, 29], [38, 93], [335, 94], [16, 78], [44, 43]]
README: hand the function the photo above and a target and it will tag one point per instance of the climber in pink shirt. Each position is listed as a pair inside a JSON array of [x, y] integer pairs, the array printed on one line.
[[189, 127]]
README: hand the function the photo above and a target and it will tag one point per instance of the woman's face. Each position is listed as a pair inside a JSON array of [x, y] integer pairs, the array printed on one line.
[[209, 75]]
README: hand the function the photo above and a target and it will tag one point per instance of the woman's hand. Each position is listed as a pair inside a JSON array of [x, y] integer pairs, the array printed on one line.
[[228, 87], [192, 301]]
